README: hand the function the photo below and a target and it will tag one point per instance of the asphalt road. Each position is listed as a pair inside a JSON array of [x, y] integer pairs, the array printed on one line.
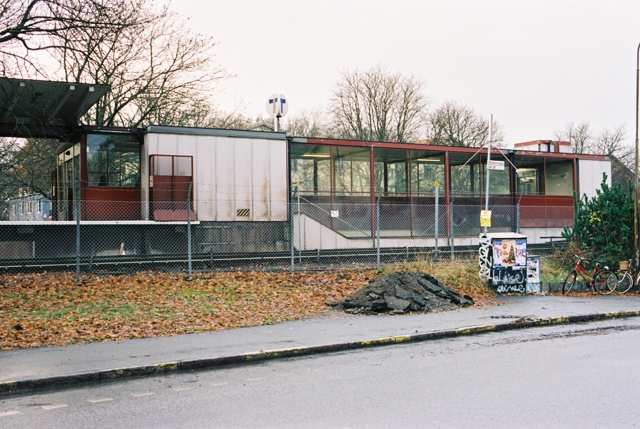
[[581, 375]]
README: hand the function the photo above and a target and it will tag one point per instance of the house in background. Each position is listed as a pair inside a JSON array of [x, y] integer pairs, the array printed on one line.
[[552, 146], [34, 207]]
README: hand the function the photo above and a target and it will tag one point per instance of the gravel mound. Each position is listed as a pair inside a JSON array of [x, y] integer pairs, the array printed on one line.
[[403, 292]]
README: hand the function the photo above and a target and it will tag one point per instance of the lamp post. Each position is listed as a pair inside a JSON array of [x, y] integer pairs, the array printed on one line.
[[635, 185]]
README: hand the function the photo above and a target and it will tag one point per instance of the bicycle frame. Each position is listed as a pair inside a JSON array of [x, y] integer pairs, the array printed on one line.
[[627, 278], [601, 279], [584, 273]]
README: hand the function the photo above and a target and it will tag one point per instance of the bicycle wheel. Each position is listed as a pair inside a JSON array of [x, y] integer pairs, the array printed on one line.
[[636, 286], [625, 283], [569, 282], [605, 282]]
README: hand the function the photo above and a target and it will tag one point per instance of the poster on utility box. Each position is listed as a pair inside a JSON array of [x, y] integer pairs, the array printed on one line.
[[510, 253]]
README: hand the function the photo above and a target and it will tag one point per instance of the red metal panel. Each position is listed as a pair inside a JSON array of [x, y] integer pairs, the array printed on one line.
[[111, 203], [546, 211], [170, 192]]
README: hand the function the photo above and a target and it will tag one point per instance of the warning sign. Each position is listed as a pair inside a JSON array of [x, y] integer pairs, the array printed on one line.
[[485, 218]]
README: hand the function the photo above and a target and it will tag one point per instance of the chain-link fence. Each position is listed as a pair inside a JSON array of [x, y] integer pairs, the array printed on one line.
[[300, 235]]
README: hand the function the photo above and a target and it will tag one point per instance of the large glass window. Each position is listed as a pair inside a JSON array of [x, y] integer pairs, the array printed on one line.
[[528, 181], [462, 178], [498, 180], [68, 175], [559, 180], [396, 177], [391, 172], [113, 160], [351, 170], [425, 172], [311, 169]]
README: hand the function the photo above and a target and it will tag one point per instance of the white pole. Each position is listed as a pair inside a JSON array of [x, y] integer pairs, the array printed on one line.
[[486, 201]]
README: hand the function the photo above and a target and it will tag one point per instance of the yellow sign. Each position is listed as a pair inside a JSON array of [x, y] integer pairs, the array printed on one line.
[[436, 183], [485, 218]]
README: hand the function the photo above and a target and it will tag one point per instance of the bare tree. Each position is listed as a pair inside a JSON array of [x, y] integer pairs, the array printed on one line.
[[33, 163], [378, 105], [8, 149], [31, 26], [26, 166], [579, 135], [453, 124], [308, 124], [157, 69], [611, 142]]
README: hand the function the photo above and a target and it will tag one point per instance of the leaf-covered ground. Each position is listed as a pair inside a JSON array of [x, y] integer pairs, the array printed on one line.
[[50, 309]]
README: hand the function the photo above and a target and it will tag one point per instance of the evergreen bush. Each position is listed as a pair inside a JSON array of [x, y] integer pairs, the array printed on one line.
[[603, 224]]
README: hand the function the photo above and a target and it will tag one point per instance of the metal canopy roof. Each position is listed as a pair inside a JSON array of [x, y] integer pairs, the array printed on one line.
[[44, 108]]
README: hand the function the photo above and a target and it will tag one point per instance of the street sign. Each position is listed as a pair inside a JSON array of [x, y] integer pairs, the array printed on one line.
[[277, 105], [495, 165]]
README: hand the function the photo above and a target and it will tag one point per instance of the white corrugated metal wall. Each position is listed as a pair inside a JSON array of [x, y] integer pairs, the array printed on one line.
[[236, 178], [590, 176]]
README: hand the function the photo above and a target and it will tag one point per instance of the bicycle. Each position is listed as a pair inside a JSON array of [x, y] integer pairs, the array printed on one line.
[[626, 282], [602, 280]]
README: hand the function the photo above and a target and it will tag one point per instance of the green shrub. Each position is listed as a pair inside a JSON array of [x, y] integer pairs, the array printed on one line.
[[603, 224]]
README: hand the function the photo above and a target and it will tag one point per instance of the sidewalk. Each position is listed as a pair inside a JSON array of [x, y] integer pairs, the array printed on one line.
[[21, 370]]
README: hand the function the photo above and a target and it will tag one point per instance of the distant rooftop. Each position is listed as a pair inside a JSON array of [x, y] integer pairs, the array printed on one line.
[[555, 146]]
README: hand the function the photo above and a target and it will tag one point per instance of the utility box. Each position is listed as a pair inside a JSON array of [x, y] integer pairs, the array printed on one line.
[[533, 274], [503, 261]]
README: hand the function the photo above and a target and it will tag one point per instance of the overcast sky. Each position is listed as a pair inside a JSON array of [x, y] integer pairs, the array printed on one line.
[[535, 65]]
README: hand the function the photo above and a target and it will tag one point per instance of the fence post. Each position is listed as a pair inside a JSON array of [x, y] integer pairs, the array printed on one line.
[[189, 233], [518, 215], [291, 235], [299, 227], [437, 223], [78, 211], [378, 232], [451, 226]]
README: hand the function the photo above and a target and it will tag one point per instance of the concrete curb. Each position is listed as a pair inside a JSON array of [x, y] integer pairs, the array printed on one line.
[[10, 387]]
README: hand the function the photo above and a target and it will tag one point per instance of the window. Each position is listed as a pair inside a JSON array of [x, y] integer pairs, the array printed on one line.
[[391, 171], [67, 176], [425, 172], [499, 182], [559, 180], [351, 176], [527, 181], [311, 169], [311, 174], [29, 206], [113, 160], [396, 177], [462, 178]]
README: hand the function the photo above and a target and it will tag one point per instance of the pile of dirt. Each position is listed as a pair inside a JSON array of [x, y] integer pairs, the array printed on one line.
[[403, 292]]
